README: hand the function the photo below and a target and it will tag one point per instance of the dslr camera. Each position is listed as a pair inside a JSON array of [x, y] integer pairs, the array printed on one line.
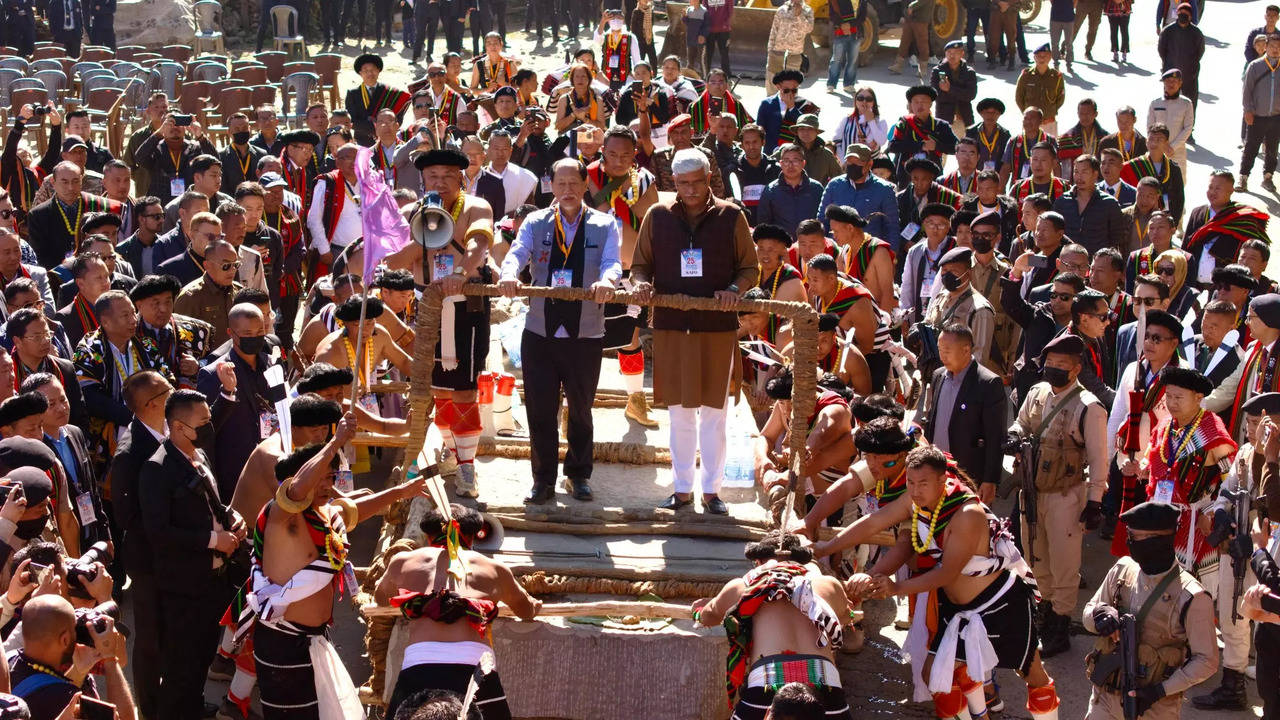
[[83, 567], [94, 620]]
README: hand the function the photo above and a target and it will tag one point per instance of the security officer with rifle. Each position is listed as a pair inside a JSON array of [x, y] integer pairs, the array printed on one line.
[[1061, 428], [1232, 523], [1155, 625]]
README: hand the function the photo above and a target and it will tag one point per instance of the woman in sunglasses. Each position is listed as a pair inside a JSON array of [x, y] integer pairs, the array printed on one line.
[[862, 126], [1171, 268]]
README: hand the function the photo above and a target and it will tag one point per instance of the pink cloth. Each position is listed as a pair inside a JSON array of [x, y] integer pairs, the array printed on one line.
[[385, 229]]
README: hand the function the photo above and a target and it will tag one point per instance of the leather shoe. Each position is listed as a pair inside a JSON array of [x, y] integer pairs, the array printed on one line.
[[579, 489], [540, 494], [715, 505], [674, 503]]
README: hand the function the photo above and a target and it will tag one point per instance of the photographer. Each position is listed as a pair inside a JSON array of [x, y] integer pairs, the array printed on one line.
[[29, 463], [55, 662]]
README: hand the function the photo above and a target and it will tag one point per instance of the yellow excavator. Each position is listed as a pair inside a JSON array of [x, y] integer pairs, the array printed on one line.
[[752, 20]]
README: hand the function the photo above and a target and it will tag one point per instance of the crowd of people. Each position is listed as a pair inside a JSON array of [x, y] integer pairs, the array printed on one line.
[[194, 333]]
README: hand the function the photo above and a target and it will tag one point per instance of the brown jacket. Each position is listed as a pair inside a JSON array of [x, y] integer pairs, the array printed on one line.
[[203, 300], [728, 258]]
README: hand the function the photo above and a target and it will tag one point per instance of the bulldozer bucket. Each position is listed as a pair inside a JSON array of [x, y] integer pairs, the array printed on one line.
[[749, 44]]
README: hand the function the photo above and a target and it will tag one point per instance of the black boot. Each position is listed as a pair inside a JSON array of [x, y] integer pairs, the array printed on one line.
[[1230, 695], [1054, 640]]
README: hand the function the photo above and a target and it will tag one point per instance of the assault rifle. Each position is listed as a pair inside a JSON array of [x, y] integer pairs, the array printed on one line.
[[1025, 451], [1122, 660], [1232, 526]]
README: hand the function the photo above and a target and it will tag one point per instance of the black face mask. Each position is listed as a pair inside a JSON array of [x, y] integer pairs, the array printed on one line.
[[251, 345], [951, 281], [981, 246], [1154, 555], [204, 439], [855, 172], [30, 529], [240, 138], [1055, 376]]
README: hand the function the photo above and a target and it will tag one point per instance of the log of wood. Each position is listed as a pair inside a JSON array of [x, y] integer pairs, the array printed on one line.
[[602, 608], [722, 531]]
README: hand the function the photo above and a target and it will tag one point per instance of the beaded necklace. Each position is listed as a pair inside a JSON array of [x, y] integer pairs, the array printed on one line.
[[1188, 432], [917, 544]]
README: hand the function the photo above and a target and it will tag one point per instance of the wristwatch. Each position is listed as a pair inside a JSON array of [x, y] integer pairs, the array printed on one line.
[[733, 288]]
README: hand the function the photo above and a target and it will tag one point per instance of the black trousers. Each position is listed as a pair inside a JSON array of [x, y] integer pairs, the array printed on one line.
[[479, 26], [1267, 645], [549, 14], [972, 20], [144, 591], [550, 365], [382, 21], [69, 39], [353, 14], [331, 22], [189, 639], [499, 20], [21, 34], [453, 29], [718, 42], [1119, 25], [286, 315], [102, 30], [1264, 133], [578, 14], [426, 21]]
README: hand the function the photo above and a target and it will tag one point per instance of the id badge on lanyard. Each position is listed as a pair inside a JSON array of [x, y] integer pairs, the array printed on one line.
[[441, 266], [1164, 491], [691, 262]]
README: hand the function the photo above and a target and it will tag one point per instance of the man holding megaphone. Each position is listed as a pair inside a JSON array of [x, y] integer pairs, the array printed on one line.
[[449, 255]]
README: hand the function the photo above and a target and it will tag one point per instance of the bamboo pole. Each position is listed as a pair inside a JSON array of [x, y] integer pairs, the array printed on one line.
[[721, 531]]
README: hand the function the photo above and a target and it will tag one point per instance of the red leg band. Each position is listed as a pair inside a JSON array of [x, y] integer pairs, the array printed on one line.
[[631, 362], [484, 387], [506, 383], [446, 413], [1042, 699], [949, 704], [467, 420]]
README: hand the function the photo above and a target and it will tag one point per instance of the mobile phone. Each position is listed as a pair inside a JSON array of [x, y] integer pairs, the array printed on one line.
[[182, 120], [94, 709], [716, 105], [1266, 436], [1038, 262], [36, 572]]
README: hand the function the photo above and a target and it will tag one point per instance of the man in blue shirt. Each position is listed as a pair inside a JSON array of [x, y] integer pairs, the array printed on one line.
[[793, 197], [872, 197]]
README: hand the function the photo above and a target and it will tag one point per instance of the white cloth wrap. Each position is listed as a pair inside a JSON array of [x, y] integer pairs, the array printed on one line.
[[448, 348], [334, 690]]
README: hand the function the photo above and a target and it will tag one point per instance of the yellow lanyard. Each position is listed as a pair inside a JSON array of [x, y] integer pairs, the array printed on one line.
[[72, 228], [244, 163], [177, 158], [1270, 67], [364, 94], [561, 236], [991, 146], [1126, 147]]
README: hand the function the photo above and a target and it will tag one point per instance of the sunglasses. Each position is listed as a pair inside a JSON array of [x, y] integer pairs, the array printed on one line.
[[1102, 317], [227, 266], [1165, 271], [789, 91], [1064, 297], [436, 73], [1158, 338], [865, 98], [153, 216], [1146, 302], [983, 235], [421, 106]]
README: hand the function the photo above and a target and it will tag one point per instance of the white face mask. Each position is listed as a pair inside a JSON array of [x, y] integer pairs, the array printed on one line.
[[615, 25]]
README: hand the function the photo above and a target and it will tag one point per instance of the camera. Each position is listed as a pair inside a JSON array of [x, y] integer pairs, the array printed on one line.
[[182, 120], [83, 567], [94, 620], [40, 110], [6, 488]]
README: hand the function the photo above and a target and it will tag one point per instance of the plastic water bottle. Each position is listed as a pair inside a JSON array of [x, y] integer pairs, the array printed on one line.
[[739, 467]]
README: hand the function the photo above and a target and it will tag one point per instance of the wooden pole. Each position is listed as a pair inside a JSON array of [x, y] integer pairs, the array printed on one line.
[[603, 608]]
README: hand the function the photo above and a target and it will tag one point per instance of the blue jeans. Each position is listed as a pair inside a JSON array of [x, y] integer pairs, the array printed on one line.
[[844, 59]]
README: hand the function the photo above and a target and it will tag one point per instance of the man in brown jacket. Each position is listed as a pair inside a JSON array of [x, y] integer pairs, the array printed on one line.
[[700, 246]]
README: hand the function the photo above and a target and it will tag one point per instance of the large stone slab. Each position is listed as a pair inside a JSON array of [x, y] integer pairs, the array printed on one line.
[[154, 23]]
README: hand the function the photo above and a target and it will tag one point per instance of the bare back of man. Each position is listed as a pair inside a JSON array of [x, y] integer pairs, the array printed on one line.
[[781, 628], [257, 483]]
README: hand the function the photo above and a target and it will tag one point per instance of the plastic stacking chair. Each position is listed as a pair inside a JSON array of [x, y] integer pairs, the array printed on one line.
[[299, 86], [208, 17], [15, 63], [166, 77], [284, 23]]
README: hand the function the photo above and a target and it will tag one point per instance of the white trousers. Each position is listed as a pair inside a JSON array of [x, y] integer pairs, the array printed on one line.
[[693, 430]]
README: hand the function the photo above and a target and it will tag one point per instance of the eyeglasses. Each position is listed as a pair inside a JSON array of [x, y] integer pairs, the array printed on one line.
[[1102, 316], [1146, 302], [1166, 270], [983, 235], [163, 393], [1158, 338], [436, 73], [41, 337], [153, 216], [213, 237], [1064, 297], [422, 106], [227, 266], [865, 98]]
